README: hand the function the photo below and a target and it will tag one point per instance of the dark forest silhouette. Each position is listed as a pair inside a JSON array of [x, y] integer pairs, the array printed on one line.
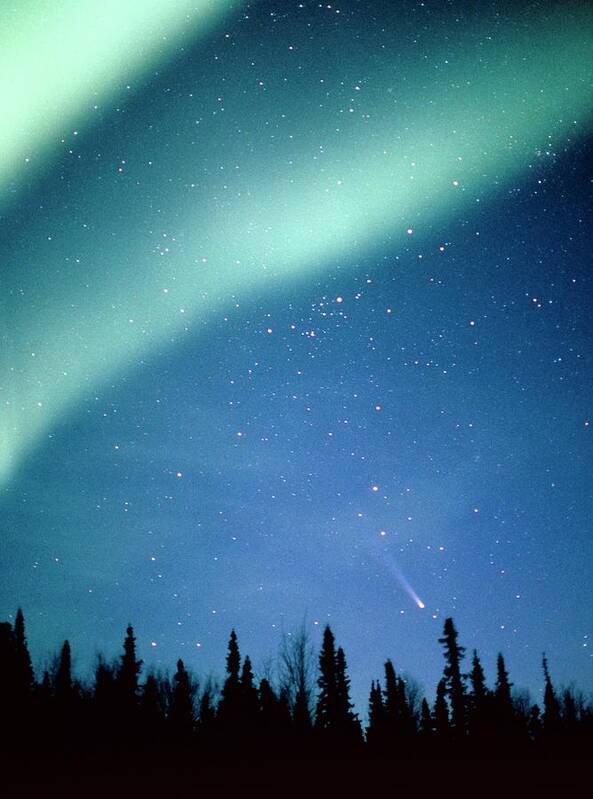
[[305, 711]]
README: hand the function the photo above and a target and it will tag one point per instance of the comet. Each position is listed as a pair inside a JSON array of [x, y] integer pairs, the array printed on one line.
[[387, 561], [399, 576]]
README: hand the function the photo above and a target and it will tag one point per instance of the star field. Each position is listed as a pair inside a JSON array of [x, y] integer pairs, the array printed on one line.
[[297, 325]]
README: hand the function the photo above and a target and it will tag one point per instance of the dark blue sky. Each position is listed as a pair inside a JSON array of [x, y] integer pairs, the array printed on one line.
[[410, 417]]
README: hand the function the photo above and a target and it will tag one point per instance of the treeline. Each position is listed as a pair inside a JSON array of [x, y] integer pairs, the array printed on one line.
[[302, 709]]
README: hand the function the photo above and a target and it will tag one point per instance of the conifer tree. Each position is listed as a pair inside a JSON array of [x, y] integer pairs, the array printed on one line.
[[181, 716], [392, 710], [274, 717], [107, 704], [426, 722], [399, 718], [233, 659], [551, 715], [152, 710], [229, 709], [206, 716], [129, 670], [376, 726], [346, 721], [335, 720], [12, 696], [407, 719], [504, 711], [45, 688], [268, 706], [570, 713], [104, 682], [25, 674], [63, 678], [479, 700], [8, 659], [441, 711], [44, 706], [325, 714], [249, 698], [534, 724], [454, 679], [247, 680]]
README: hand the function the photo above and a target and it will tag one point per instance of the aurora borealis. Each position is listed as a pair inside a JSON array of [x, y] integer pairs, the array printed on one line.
[[295, 313]]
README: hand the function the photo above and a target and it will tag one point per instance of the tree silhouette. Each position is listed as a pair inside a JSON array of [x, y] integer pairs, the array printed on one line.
[[129, 670], [181, 715], [25, 675], [503, 709], [480, 701], [296, 679], [152, 712], [63, 677], [551, 715], [207, 717], [454, 680], [376, 728], [425, 727], [441, 722], [335, 722], [122, 720], [325, 713], [11, 682], [274, 720], [249, 700], [230, 706], [347, 723], [570, 714]]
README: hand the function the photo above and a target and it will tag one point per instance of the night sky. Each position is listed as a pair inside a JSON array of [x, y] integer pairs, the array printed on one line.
[[296, 324]]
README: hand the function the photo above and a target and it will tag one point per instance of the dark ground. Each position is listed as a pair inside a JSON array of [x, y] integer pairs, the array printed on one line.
[[282, 777]]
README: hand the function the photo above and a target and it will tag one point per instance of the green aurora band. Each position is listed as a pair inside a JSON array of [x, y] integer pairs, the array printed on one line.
[[393, 167], [60, 59]]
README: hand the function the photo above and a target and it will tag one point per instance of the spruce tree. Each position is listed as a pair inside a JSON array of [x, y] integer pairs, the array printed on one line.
[[325, 714], [504, 711], [441, 711], [376, 726], [570, 713], [233, 659], [269, 707], [479, 700], [454, 679], [399, 718], [151, 710], [347, 722], [551, 715], [392, 710], [206, 717], [129, 670], [63, 677], [408, 721], [107, 705], [25, 675], [12, 697], [249, 697], [181, 716], [534, 724], [229, 709], [426, 722], [274, 720]]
